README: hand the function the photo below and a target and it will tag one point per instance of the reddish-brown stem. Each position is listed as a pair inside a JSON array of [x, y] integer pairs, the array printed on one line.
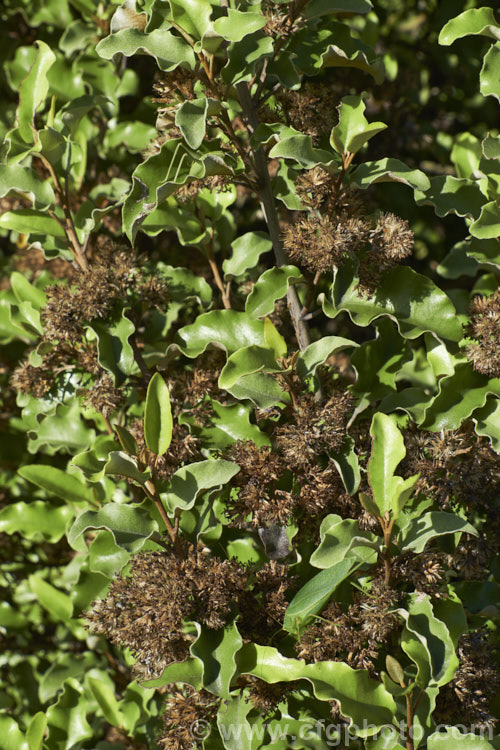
[[387, 528], [409, 722], [151, 492], [145, 372], [217, 277]]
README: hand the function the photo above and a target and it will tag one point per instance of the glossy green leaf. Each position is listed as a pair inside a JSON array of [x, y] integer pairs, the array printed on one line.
[[168, 49], [191, 119], [246, 251], [188, 481], [473, 21], [105, 556], [388, 450], [487, 422], [274, 339], [238, 24], [412, 300], [326, 7], [247, 361], [346, 461], [299, 148], [450, 194], [313, 596], [189, 671], [127, 440], [271, 286], [426, 640], [216, 649], [341, 539], [192, 15], [36, 731], [234, 727], [491, 147], [57, 482], [129, 526], [260, 388], [29, 221], [36, 520], [106, 701], [244, 56], [57, 603], [363, 700], [487, 225], [453, 739], [421, 530], [12, 737], [25, 181], [459, 395], [228, 329], [67, 717], [158, 422], [115, 353], [489, 76], [33, 91], [318, 352], [353, 129], [230, 423], [388, 170], [95, 466]]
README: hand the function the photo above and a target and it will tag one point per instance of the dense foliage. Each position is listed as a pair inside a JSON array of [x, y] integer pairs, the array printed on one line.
[[250, 365]]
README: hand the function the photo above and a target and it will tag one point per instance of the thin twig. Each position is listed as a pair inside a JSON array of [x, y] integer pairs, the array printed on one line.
[[151, 492]]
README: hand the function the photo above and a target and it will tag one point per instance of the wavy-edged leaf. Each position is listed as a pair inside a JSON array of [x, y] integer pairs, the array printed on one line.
[[451, 738], [168, 50], [274, 339], [56, 602], [483, 251], [412, 300], [26, 292], [115, 354], [235, 729], [33, 90], [271, 285], [29, 221], [427, 641], [244, 56], [246, 251], [459, 395], [158, 422], [342, 538], [487, 224], [95, 466], [450, 194], [106, 701], [421, 530], [247, 361], [299, 148], [37, 520], [318, 352], [191, 119], [57, 482], [489, 76], [347, 464], [189, 671], [230, 423], [35, 732], [191, 15], [238, 24], [130, 527], [216, 649], [17, 179], [353, 129], [473, 21], [12, 737], [388, 450], [188, 481], [67, 717], [365, 701], [313, 596], [388, 170], [228, 329], [105, 556], [487, 420], [261, 389]]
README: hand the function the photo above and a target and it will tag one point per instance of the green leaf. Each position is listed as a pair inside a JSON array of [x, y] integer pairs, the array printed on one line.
[[459, 395], [189, 671], [327, 7], [28, 221], [230, 424], [421, 530], [299, 149], [450, 194], [58, 604], [346, 461], [191, 119], [412, 300], [36, 520], [228, 329], [188, 481], [26, 292], [313, 596], [388, 170], [158, 422], [36, 731], [67, 716], [363, 700], [318, 352], [238, 24], [168, 50], [340, 539], [388, 449], [26, 181], [57, 482], [490, 147], [247, 361], [489, 76], [105, 556], [192, 15], [487, 422], [274, 339], [115, 354], [12, 737], [260, 388], [452, 738], [272, 285], [244, 56], [426, 640], [216, 649], [234, 727], [474, 21], [33, 91], [246, 251], [95, 466], [487, 225], [353, 129], [106, 700], [130, 527]]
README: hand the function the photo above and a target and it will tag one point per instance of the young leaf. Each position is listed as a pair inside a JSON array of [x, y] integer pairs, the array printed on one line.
[[158, 423], [33, 90], [387, 451], [274, 339], [353, 130]]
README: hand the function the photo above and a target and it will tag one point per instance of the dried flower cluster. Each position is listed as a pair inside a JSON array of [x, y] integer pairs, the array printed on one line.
[[484, 330], [182, 711], [356, 635]]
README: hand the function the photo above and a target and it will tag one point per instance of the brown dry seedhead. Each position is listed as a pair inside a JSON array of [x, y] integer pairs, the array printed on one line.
[[183, 709], [484, 350]]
